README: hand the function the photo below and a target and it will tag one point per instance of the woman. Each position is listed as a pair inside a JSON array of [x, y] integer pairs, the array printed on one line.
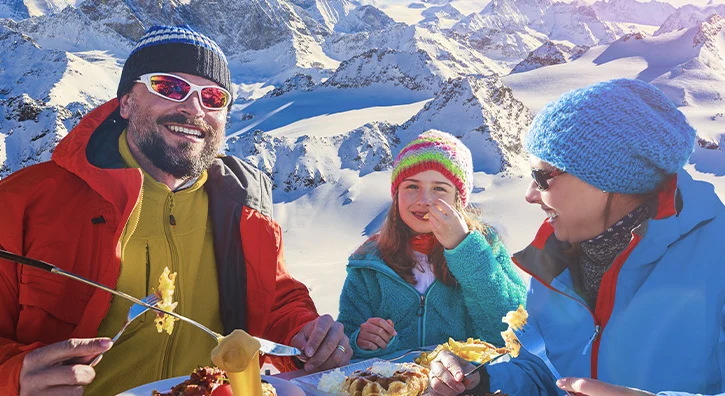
[[434, 271], [628, 281]]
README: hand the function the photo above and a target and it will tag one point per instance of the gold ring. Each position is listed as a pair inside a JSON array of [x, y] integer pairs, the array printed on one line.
[[341, 348]]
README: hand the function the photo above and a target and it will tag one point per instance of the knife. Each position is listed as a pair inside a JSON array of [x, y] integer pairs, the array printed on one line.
[[273, 348], [267, 347]]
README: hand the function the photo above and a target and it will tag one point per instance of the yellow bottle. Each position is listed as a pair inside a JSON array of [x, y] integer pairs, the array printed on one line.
[[247, 382], [238, 355]]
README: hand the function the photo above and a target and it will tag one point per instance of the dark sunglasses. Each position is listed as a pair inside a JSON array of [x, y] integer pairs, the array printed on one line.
[[542, 177], [176, 89]]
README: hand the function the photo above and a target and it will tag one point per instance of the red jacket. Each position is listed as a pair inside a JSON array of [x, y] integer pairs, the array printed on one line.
[[71, 211]]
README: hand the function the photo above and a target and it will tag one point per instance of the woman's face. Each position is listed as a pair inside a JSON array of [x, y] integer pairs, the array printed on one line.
[[418, 193], [575, 209]]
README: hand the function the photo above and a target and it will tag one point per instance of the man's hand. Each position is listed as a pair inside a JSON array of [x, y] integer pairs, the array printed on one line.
[[61, 368], [375, 334], [592, 387], [323, 343], [446, 375]]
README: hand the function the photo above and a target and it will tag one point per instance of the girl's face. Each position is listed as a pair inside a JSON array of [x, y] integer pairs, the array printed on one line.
[[418, 193], [575, 209]]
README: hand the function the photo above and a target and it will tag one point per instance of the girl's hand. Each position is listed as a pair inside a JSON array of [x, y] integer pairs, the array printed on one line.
[[375, 333], [592, 387], [448, 225]]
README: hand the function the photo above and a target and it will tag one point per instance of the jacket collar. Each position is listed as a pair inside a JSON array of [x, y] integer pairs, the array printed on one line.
[[88, 152], [682, 205]]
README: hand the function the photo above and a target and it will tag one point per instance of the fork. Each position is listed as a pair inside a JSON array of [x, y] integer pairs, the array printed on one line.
[[134, 312], [532, 341], [482, 365], [414, 351]]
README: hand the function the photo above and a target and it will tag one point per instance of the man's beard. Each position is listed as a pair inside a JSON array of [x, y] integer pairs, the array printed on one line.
[[177, 160]]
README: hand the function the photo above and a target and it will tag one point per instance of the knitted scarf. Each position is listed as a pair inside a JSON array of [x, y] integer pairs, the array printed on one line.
[[598, 254]]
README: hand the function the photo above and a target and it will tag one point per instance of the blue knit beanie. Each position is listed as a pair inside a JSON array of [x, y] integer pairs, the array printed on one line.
[[175, 49], [620, 136]]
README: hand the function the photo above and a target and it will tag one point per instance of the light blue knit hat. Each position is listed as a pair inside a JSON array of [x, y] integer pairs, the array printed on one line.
[[620, 136]]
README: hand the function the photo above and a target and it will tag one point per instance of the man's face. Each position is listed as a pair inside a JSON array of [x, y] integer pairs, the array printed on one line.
[[178, 139]]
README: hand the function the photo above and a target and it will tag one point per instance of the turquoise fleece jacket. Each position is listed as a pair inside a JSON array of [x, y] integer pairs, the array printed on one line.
[[489, 287]]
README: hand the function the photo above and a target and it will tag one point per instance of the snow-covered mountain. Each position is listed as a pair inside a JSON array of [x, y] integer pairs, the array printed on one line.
[[453, 57], [21, 9], [42, 98], [326, 12], [550, 53], [508, 30], [364, 18], [443, 17], [484, 113], [688, 16], [687, 65], [73, 30], [297, 165], [415, 71], [633, 11]]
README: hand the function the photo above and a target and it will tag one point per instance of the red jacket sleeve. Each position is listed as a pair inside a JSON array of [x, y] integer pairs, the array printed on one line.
[[278, 305]]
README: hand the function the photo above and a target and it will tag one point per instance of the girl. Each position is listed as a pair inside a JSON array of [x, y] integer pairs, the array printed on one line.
[[433, 271], [627, 287]]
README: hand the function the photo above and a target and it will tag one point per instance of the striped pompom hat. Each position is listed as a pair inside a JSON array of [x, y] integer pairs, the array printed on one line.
[[438, 151], [175, 49]]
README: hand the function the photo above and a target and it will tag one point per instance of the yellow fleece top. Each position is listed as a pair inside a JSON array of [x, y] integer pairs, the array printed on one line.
[[148, 244]]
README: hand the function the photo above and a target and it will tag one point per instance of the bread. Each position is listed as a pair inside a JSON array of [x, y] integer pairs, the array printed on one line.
[[408, 380]]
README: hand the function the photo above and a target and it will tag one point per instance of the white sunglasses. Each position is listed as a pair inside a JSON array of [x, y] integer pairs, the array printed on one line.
[[177, 89]]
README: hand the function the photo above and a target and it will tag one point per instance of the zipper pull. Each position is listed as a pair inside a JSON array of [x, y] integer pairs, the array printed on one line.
[[172, 220], [591, 339], [421, 309]]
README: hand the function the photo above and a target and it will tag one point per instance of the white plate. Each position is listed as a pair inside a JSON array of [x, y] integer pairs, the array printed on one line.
[[284, 388], [309, 382]]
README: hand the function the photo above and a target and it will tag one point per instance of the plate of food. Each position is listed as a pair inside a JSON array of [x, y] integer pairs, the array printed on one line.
[[373, 376], [208, 381]]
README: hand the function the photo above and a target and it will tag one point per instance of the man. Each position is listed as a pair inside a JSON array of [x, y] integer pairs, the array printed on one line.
[[134, 188]]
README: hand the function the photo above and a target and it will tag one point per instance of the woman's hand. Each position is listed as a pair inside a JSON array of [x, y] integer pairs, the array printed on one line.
[[592, 387], [375, 333], [448, 225], [446, 375]]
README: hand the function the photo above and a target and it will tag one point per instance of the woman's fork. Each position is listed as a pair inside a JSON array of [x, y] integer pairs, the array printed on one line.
[[134, 312]]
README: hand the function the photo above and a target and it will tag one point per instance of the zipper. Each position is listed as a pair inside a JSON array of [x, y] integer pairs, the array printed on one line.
[[617, 265], [594, 336], [421, 313], [135, 226], [177, 291]]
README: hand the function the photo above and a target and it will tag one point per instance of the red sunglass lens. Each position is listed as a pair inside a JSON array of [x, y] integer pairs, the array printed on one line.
[[214, 98], [170, 87]]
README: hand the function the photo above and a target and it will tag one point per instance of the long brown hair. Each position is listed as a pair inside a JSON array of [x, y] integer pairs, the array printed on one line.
[[393, 243]]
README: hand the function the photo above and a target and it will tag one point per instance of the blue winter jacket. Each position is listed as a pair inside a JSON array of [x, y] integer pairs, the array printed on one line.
[[489, 287], [659, 323]]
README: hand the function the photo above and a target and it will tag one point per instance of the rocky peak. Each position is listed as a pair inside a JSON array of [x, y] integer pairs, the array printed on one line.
[[484, 113], [414, 71], [550, 53], [708, 31], [297, 165], [689, 16], [364, 19], [298, 82]]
